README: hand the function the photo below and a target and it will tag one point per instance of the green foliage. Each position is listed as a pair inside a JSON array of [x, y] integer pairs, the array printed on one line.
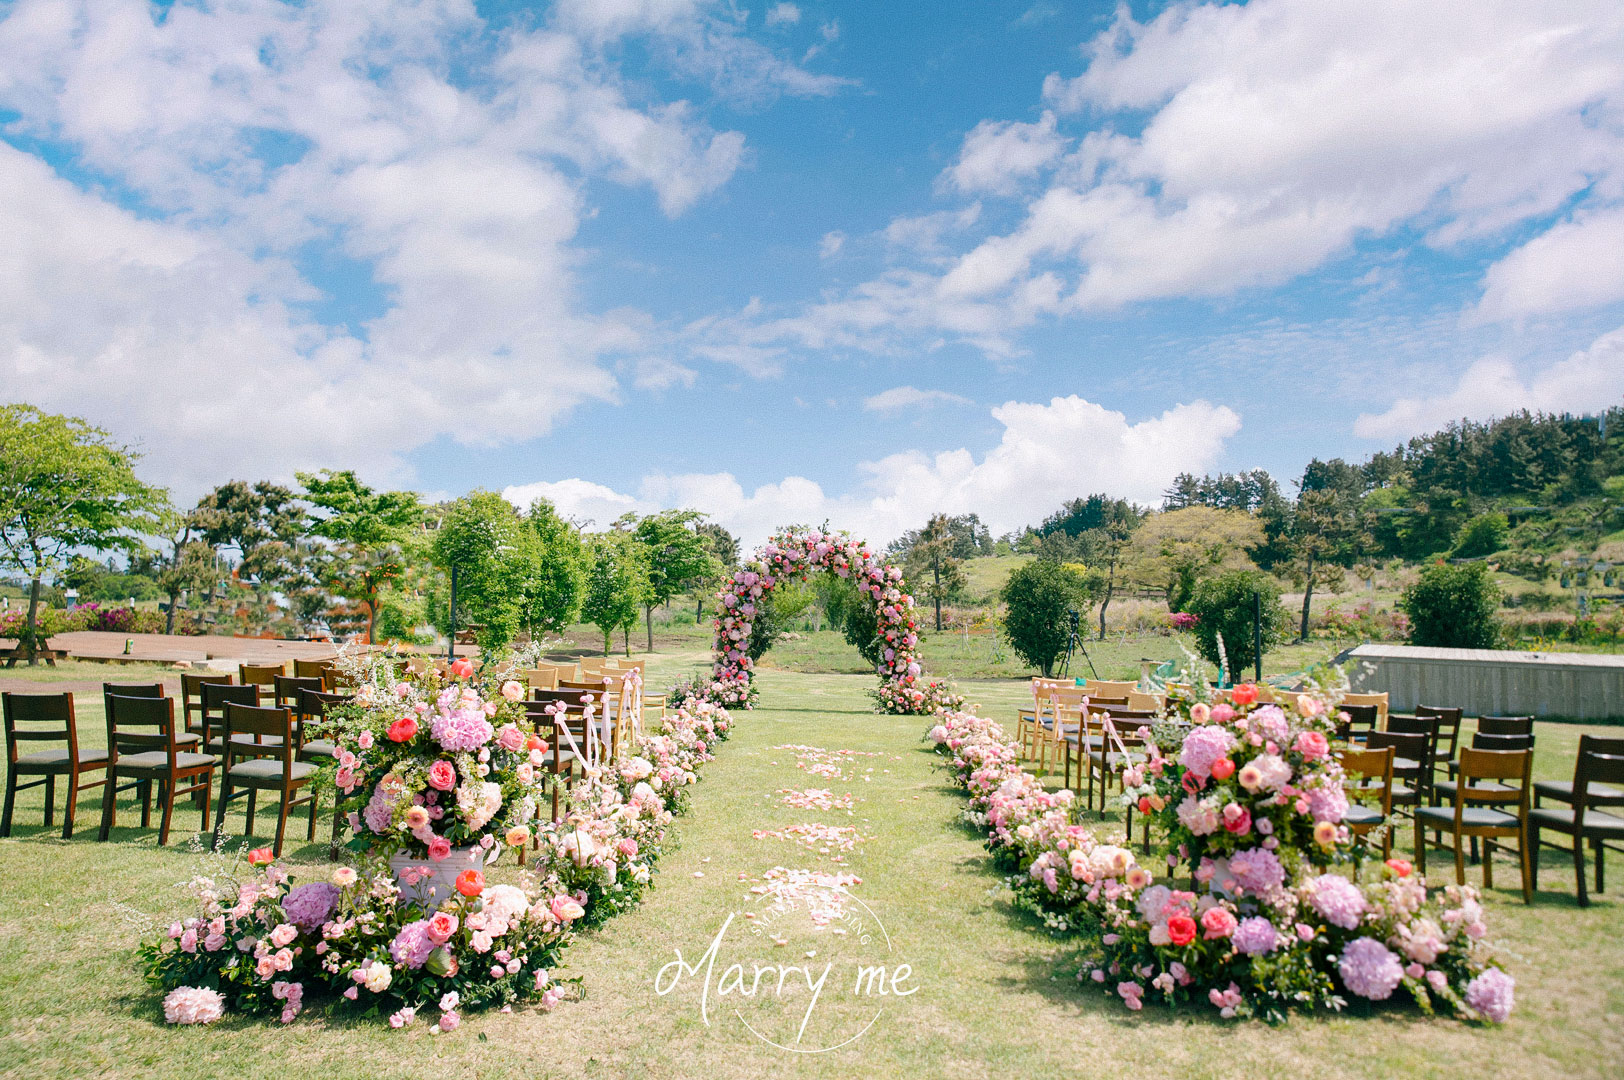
[[1039, 598], [400, 613], [616, 583], [373, 531], [263, 521], [777, 610], [1223, 607], [553, 597], [66, 486], [1482, 535], [932, 564], [675, 552], [481, 535], [1453, 607]]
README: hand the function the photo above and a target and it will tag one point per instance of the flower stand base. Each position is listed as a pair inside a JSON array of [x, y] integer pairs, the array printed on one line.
[[431, 883]]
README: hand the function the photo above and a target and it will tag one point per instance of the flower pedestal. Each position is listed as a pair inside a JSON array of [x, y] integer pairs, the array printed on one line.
[[431, 883]]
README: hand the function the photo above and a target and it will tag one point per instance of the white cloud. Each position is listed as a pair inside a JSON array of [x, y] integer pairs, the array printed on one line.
[[251, 132], [1589, 380], [1048, 453], [925, 234], [783, 15], [908, 397], [831, 244], [997, 155], [1574, 265]]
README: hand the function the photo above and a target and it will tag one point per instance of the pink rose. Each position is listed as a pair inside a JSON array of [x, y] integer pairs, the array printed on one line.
[[364, 740], [439, 848], [1312, 745], [510, 738], [442, 926], [1216, 923], [442, 775], [565, 909]]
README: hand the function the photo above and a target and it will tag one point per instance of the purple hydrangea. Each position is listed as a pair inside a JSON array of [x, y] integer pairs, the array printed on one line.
[[1257, 871], [1338, 900], [465, 729], [1328, 802], [1255, 936], [1370, 969], [1205, 744], [1270, 722], [412, 945], [379, 809], [309, 906], [1492, 995]]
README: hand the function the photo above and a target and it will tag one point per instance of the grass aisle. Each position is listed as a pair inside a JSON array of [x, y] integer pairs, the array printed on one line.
[[995, 996]]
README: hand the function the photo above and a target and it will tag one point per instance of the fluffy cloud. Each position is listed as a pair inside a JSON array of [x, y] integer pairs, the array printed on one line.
[[1049, 452], [1576, 264], [997, 156], [229, 141], [908, 397], [1590, 379], [783, 15]]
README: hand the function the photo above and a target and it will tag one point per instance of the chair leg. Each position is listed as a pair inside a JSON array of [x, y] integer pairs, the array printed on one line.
[[1601, 858], [332, 845], [166, 792], [50, 800], [109, 811], [70, 804], [220, 810], [1527, 867], [248, 829], [281, 822], [11, 803], [144, 792], [1533, 864], [1579, 867], [1420, 848], [1488, 864], [208, 797], [315, 803]]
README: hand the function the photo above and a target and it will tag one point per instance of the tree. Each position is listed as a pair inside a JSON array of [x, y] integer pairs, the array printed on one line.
[[1224, 609], [931, 559], [724, 550], [675, 553], [65, 485], [1039, 599], [788, 601], [481, 536], [1175, 549], [553, 600], [263, 521], [1327, 531], [1453, 607], [616, 583], [1483, 535], [189, 565], [371, 529]]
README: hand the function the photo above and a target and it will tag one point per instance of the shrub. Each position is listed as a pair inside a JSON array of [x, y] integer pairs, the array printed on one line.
[[1040, 597], [1453, 607], [1482, 535], [1223, 609]]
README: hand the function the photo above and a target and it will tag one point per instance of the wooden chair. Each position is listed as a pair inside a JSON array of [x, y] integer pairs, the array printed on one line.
[[1122, 747], [326, 670], [1599, 767], [50, 718], [592, 665], [1146, 702], [1104, 688], [1412, 766], [260, 674], [287, 688], [216, 696], [250, 725], [1361, 721], [541, 678], [568, 734], [1476, 813], [314, 747], [1378, 700], [148, 757], [1049, 727], [191, 696], [1369, 774], [1026, 715], [646, 700], [1446, 740]]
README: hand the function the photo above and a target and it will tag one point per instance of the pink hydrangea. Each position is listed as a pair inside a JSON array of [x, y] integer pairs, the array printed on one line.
[[1492, 995], [1203, 746], [310, 905], [1338, 900], [413, 944], [1328, 802], [1255, 936], [1257, 871], [193, 1005], [1370, 969], [465, 729]]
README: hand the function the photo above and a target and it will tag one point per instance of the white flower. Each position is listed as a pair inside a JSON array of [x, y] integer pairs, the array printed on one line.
[[378, 977]]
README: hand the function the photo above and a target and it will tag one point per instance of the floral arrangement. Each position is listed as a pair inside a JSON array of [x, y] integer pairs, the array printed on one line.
[[264, 945], [1281, 908], [792, 555], [429, 763]]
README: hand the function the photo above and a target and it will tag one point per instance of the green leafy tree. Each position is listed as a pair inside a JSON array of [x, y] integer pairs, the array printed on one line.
[[1039, 599], [1175, 549], [1224, 609], [189, 564], [1453, 607], [65, 485], [676, 555], [552, 600], [724, 549], [371, 531], [616, 583], [482, 537], [1483, 535], [1327, 532], [931, 559], [263, 521]]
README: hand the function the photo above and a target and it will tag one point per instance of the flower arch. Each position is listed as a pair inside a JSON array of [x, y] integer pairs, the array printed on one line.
[[791, 556]]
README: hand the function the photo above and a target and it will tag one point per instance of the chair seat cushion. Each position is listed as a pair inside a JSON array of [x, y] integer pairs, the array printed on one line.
[[1446, 788], [267, 770], [320, 748], [1473, 817], [1360, 814], [1597, 823], [1595, 794], [157, 761], [58, 759], [269, 744], [1404, 764]]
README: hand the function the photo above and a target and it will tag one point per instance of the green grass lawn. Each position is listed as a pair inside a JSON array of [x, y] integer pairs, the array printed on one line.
[[996, 995]]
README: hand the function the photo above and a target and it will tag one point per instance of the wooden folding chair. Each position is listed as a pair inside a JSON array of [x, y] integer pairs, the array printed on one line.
[[1368, 774], [1597, 771]]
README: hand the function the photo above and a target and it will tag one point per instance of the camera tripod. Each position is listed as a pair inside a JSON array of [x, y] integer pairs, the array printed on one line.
[[1074, 644]]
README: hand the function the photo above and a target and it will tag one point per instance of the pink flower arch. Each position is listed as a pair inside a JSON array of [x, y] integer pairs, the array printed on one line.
[[792, 556]]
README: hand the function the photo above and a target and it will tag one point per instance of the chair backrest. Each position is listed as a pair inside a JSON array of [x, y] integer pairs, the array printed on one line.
[[127, 716], [1146, 702], [589, 685], [313, 704], [288, 687], [262, 674], [573, 698], [191, 691], [1502, 766], [622, 663], [1413, 725], [1369, 764], [1505, 725], [1417, 746], [542, 678], [1105, 688], [134, 689], [53, 713], [216, 696], [259, 721], [589, 664], [315, 669], [1378, 700], [1362, 720], [1065, 696], [1483, 740], [1601, 761]]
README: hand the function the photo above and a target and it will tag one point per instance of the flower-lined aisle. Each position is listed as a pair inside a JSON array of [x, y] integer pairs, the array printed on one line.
[[438, 772], [791, 556], [1268, 903]]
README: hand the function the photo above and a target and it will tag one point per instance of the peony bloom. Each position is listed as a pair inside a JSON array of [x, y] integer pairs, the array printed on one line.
[[439, 848], [442, 775], [417, 817], [462, 669], [402, 730], [470, 883], [377, 977], [193, 1005], [1244, 694], [261, 856], [1370, 969], [1217, 923], [517, 837], [1255, 936], [1338, 900], [402, 1017], [565, 909], [364, 740], [512, 691]]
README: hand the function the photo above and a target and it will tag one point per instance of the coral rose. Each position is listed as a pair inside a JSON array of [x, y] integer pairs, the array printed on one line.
[[470, 883], [402, 730], [1181, 929], [1223, 769], [462, 669], [442, 775], [1244, 694], [261, 856]]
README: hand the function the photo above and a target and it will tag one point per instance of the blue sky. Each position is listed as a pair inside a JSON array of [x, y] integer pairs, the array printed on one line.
[[802, 261]]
